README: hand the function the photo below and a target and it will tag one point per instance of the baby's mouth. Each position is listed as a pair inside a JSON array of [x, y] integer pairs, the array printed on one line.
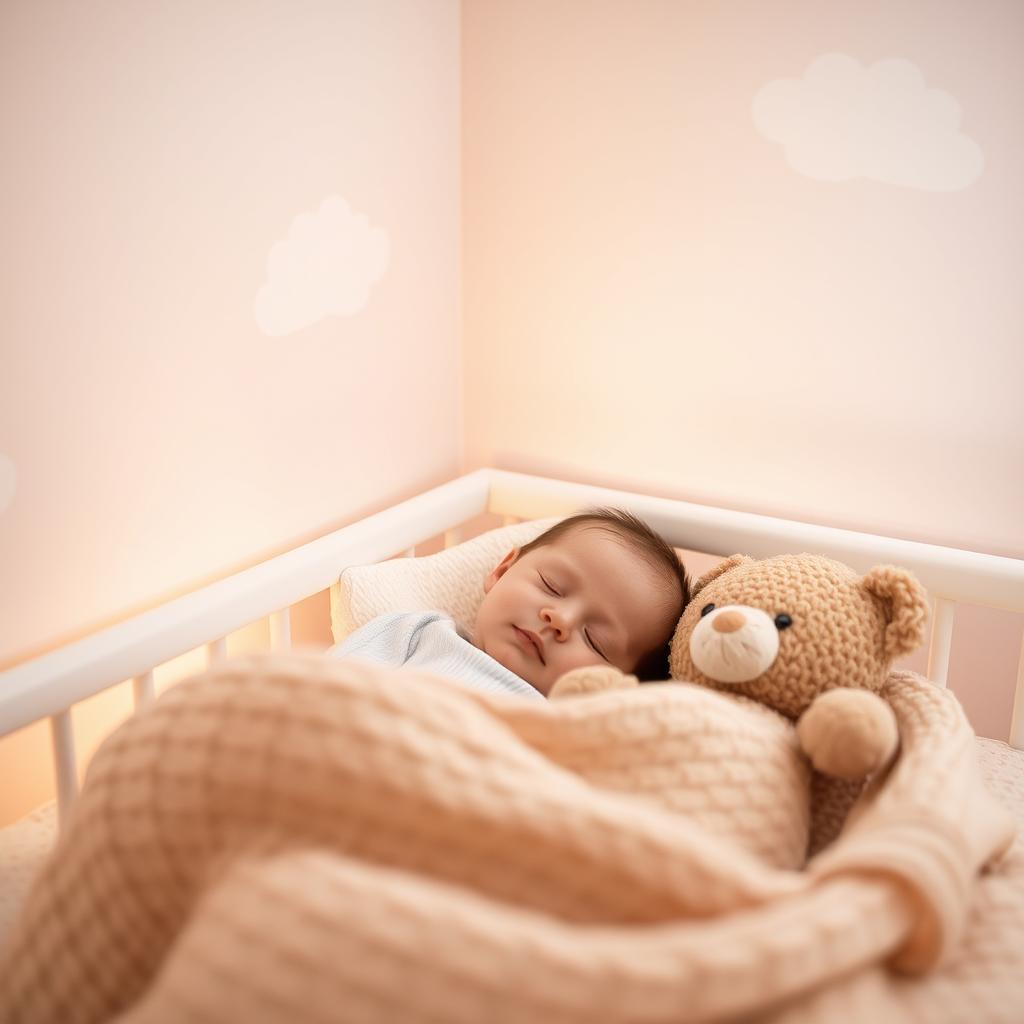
[[533, 641]]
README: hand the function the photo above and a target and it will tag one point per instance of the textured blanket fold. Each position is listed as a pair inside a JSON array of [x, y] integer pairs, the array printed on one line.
[[297, 838]]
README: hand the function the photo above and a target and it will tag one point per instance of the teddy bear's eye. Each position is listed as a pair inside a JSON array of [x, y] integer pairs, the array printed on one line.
[[783, 621], [707, 608]]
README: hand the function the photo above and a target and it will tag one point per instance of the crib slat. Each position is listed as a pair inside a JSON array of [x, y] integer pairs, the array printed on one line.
[[63, 738], [942, 639], [216, 650], [281, 630], [1017, 721], [145, 693]]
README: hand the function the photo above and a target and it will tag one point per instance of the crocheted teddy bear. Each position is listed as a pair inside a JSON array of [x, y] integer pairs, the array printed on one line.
[[804, 635]]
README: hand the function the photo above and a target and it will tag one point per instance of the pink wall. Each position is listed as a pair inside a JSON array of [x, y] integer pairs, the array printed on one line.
[[231, 283], [701, 262], [230, 316]]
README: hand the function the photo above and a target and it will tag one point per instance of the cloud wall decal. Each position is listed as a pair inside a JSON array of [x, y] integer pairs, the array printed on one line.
[[325, 267], [843, 121], [8, 481]]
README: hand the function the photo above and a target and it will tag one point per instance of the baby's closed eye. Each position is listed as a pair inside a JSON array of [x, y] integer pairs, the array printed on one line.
[[586, 635]]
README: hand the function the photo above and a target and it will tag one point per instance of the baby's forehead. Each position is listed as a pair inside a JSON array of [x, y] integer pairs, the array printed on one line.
[[604, 549], [643, 602], [595, 543], [596, 538]]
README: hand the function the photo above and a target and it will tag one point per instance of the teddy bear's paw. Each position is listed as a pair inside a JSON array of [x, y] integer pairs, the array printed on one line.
[[847, 733], [591, 679]]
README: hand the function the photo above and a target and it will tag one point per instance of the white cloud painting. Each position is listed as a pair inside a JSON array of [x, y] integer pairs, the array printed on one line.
[[843, 120], [8, 481], [325, 267]]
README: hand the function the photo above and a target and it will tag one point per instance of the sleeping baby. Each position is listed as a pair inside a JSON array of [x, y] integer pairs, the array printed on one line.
[[600, 587]]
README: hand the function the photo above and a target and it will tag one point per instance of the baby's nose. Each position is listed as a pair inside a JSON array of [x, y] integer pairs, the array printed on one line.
[[554, 618]]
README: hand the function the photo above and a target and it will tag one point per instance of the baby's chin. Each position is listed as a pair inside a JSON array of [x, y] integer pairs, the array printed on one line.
[[517, 666], [519, 669], [540, 685]]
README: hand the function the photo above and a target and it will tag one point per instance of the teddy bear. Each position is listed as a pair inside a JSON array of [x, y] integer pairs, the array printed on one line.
[[804, 635]]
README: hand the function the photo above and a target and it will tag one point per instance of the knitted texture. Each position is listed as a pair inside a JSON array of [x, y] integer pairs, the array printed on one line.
[[297, 838], [730, 766], [23, 847], [843, 629], [984, 981]]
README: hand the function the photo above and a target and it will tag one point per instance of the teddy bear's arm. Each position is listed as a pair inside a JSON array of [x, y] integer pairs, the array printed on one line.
[[591, 679], [848, 733]]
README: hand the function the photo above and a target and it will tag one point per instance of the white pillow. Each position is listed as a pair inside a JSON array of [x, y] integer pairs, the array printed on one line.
[[451, 581]]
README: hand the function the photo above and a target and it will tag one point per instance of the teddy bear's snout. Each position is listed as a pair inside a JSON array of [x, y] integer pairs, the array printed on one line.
[[729, 621], [734, 644]]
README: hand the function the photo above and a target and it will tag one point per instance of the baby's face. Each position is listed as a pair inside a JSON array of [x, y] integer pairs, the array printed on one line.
[[587, 599]]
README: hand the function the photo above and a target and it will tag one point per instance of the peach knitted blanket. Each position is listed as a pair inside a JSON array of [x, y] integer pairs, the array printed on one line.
[[294, 838]]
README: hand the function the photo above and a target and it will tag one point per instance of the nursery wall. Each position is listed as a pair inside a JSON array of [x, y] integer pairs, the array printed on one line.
[[231, 312], [758, 255], [230, 317], [754, 255]]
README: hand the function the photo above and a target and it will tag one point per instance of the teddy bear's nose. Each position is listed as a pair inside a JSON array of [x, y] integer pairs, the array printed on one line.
[[728, 622]]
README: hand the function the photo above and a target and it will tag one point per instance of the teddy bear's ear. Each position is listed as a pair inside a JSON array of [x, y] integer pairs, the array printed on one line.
[[718, 570], [906, 607]]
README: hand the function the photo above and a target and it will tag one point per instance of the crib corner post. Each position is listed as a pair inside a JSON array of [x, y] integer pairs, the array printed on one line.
[[281, 630], [941, 641], [65, 768], [1016, 738]]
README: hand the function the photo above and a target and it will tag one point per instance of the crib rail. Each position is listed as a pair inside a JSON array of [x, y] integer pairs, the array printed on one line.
[[48, 686], [52, 682], [947, 573]]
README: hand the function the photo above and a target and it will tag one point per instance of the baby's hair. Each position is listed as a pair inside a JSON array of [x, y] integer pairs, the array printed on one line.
[[652, 547]]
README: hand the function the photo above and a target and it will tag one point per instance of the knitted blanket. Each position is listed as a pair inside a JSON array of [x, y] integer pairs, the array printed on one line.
[[294, 838]]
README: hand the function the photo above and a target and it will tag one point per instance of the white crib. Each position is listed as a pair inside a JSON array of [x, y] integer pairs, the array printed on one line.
[[48, 686]]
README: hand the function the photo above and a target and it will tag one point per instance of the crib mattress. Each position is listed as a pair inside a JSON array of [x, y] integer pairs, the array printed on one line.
[[992, 958]]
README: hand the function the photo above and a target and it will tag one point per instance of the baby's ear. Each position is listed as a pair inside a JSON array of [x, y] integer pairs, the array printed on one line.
[[712, 574], [500, 569]]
